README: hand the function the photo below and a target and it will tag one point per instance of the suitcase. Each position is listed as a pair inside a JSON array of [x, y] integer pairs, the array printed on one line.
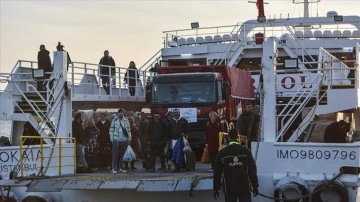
[[190, 160]]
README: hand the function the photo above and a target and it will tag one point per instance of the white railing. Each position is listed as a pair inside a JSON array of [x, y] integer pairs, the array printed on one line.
[[93, 84], [335, 71], [331, 72], [291, 110]]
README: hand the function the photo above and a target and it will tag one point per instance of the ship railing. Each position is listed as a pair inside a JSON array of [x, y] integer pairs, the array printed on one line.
[[249, 31], [85, 78], [298, 101], [62, 160], [171, 36], [151, 62], [335, 71], [44, 126], [224, 57], [4, 78], [300, 49], [23, 82], [331, 72]]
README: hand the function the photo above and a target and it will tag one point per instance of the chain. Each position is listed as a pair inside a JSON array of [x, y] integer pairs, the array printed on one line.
[[259, 128], [41, 171]]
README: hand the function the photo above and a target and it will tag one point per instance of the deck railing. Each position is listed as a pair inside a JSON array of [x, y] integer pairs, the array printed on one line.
[[63, 153]]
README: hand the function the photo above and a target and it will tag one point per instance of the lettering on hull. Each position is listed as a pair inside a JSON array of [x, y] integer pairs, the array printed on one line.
[[334, 154]]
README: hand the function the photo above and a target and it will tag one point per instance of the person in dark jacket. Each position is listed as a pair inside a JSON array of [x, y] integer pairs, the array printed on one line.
[[131, 76], [156, 133], [106, 72], [247, 124], [79, 134], [104, 143], [336, 132], [236, 165], [44, 63], [168, 145], [179, 128], [213, 128]]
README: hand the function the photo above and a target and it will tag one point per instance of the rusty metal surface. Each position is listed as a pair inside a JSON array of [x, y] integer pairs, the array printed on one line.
[[157, 185], [81, 185], [143, 182], [116, 184], [136, 180]]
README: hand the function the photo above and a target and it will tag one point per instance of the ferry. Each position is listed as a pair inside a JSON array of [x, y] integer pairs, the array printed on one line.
[[301, 71]]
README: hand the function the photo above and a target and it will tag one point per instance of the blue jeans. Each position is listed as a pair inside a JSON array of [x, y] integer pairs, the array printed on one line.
[[118, 151], [243, 197]]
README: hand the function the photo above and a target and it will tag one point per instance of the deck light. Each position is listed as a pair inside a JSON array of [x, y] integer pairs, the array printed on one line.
[[38, 73], [291, 63], [338, 18], [194, 25], [261, 19]]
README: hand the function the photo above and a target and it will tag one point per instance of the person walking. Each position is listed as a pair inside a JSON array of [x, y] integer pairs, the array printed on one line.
[[104, 143], [236, 165], [120, 136], [213, 128], [156, 134], [44, 63], [131, 77], [79, 135], [106, 72]]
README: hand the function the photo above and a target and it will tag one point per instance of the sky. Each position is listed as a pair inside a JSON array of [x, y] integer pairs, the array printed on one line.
[[130, 30]]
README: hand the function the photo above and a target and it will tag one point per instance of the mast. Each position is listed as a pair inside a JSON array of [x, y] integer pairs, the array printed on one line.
[[306, 8]]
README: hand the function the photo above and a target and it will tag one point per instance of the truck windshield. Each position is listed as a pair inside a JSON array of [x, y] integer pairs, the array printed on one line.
[[192, 92]]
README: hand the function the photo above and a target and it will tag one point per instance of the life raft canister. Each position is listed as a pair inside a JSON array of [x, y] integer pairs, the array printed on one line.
[[38, 197], [333, 191], [291, 188]]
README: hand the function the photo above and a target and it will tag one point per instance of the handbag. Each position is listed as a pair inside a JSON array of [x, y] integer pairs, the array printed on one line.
[[206, 156], [187, 147], [124, 131], [129, 154]]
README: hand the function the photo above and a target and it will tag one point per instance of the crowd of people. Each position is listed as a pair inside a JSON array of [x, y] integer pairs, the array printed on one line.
[[148, 137]]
